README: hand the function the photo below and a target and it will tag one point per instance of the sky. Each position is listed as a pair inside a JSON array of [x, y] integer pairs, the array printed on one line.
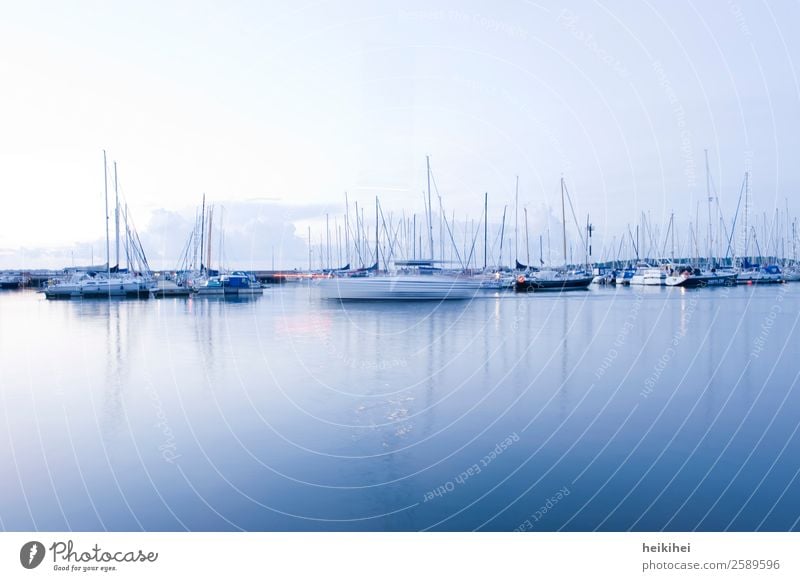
[[274, 110]]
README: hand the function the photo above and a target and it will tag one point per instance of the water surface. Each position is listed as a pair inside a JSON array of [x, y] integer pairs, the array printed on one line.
[[612, 409]]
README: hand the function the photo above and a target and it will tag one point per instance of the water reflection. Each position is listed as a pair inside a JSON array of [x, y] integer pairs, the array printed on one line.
[[351, 410]]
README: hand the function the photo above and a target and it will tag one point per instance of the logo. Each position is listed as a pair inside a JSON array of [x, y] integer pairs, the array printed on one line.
[[31, 554]]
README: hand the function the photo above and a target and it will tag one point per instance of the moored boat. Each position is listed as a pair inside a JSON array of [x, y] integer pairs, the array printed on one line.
[[401, 287], [552, 280], [764, 275], [689, 277], [209, 286], [12, 280], [240, 283], [165, 288], [99, 286], [647, 275]]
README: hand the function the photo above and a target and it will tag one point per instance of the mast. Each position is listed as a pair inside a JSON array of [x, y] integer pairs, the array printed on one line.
[[414, 238], [221, 250], [208, 236], [346, 228], [746, 203], [105, 187], [328, 240], [430, 212], [708, 195], [672, 233], [485, 227], [357, 238], [377, 235], [564, 220], [516, 221], [527, 243], [116, 211], [541, 253], [202, 234], [127, 241], [589, 229], [502, 235], [338, 230]]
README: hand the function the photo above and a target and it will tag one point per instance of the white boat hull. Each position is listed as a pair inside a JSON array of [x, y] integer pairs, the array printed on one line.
[[90, 291], [406, 288]]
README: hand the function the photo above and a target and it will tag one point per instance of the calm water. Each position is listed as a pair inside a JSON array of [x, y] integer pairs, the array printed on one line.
[[611, 409]]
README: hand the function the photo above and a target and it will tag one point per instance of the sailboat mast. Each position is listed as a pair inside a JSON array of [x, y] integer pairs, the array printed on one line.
[[672, 234], [105, 188], [502, 235], [116, 211], [708, 195], [202, 233], [328, 240], [746, 203], [485, 228], [208, 237], [346, 228], [377, 237], [430, 212], [564, 221], [516, 220], [527, 242]]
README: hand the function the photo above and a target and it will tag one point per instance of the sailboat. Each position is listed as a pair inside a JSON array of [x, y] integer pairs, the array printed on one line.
[[113, 282], [690, 277], [555, 280], [409, 282]]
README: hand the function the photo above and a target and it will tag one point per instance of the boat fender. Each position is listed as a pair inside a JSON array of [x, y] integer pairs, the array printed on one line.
[[521, 279]]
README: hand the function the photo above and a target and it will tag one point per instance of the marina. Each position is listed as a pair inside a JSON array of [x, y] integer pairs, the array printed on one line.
[[316, 272]]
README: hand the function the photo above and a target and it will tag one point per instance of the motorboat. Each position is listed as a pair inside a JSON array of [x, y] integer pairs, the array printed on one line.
[[761, 275], [647, 275], [240, 283]]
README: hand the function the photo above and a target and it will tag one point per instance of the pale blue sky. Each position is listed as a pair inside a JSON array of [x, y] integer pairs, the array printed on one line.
[[297, 103]]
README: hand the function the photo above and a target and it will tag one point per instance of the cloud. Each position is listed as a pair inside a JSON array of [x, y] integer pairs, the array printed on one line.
[[244, 235]]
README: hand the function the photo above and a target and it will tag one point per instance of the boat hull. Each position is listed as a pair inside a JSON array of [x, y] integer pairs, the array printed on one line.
[[97, 294], [701, 281], [398, 288], [567, 284]]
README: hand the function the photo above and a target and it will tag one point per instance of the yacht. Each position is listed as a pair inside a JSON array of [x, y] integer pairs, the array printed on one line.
[[12, 280], [552, 280], [209, 286], [240, 284], [689, 277], [87, 285], [420, 287], [648, 275], [761, 275]]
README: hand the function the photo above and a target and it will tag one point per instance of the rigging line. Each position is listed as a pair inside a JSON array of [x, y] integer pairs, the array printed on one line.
[[574, 217]]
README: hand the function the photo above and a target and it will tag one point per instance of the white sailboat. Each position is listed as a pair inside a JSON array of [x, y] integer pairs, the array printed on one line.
[[407, 283], [109, 284]]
